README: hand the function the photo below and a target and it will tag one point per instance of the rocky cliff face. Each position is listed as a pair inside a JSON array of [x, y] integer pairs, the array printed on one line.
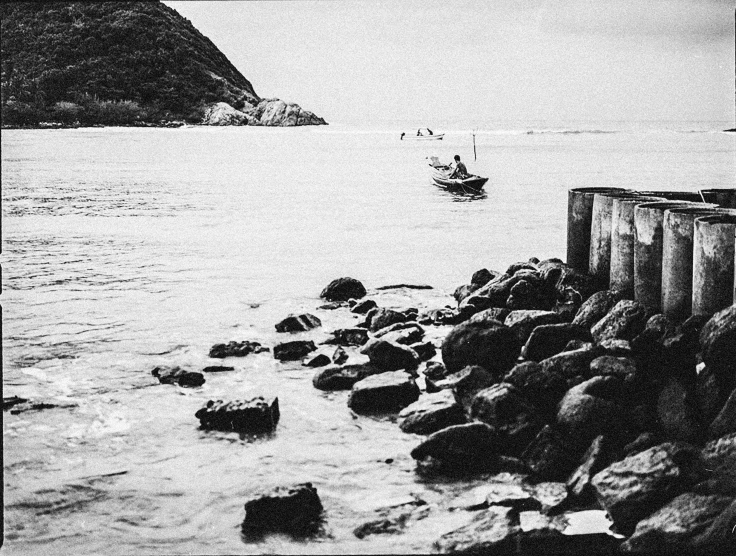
[[122, 63]]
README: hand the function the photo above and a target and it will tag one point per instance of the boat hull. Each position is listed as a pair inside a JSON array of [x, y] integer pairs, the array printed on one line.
[[473, 184], [423, 137]]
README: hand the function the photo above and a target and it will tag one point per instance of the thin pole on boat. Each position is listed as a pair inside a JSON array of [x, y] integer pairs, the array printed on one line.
[[475, 155]]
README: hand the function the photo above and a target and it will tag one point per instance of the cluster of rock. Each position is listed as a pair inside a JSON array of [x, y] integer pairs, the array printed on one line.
[[594, 402], [268, 112]]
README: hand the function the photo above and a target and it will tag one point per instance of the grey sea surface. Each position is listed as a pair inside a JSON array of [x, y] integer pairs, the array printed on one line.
[[128, 248]]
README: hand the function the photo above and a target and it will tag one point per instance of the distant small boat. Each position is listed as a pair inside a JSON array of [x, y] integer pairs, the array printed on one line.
[[440, 177], [426, 135]]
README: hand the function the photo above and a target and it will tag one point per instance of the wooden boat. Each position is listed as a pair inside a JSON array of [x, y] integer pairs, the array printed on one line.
[[426, 136], [440, 177]]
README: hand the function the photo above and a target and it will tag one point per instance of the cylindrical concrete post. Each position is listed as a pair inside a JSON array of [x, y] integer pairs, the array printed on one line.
[[725, 198], [599, 265], [713, 263], [677, 259], [622, 243], [689, 196], [648, 219], [579, 216]]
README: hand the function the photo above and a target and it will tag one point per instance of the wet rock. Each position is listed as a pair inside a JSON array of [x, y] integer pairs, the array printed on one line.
[[568, 304], [342, 377], [348, 337], [465, 384], [11, 401], [491, 532], [549, 456], [676, 414], [21, 405], [592, 408], [430, 413], [718, 342], [291, 351], [543, 388], [362, 307], [725, 421], [294, 509], [235, 349], [490, 345], [460, 448], [527, 294], [642, 442], [633, 488], [710, 394], [298, 323], [394, 520], [673, 528], [407, 335], [512, 416], [318, 361], [177, 375], [552, 495], [434, 370], [595, 308], [718, 458], [383, 317], [617, 348], [571, 364], [389, 356], [650, 340], [498, 314], [384, 392], [343, 289], [623, 368], [625, 321], [718, 538], [523, 322], [257, 415], [573, 345], [556, 536], [217, 369], [425, 350], [550, 339], [340, 356], [595, 459]]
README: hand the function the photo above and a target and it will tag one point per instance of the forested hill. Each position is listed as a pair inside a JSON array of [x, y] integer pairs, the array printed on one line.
[[129, 59]]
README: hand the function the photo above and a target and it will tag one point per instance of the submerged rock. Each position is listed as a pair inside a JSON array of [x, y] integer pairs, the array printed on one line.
[[177, 375], [384, 392], [343, 289], [298, 323], [291, 351], [256, 415], [294, 509], [318, 361], [235, 349]]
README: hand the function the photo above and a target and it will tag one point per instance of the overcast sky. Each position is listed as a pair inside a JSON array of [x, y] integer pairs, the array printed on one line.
[[362, 61]]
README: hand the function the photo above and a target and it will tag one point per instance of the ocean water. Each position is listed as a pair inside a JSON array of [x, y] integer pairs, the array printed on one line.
[[123, 249]]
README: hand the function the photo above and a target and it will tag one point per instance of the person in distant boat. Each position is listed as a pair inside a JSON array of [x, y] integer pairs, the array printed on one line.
[[419, 132], [460, 170], [402, 135], [430, 131]]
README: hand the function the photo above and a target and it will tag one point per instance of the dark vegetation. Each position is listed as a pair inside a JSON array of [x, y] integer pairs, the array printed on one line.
[[110, 63]]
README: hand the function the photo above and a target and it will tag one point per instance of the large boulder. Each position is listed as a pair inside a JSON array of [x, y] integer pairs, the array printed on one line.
[[489, 344], [389, 356], [275, 112], [336, 377], [593, 408], [547, 340], [384, 392], [298, 323], [677, 415], [572, 364], [673, 528], [294, 509], [718, 343], [222, 113], [512, 416], [633, 488], [431, 412], [465, 384], [348, 337], [523, 322], [235, 349], [498, 314], [256, 415], [544, 388], [382, 317], [343, 289], [549, 456], [460, 447], [595, 308], [492, 531], [625, 321]]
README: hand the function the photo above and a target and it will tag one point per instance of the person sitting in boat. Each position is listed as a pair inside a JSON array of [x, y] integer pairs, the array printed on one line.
[[419, 132], [460, 171], [402, 135], [429, 131]]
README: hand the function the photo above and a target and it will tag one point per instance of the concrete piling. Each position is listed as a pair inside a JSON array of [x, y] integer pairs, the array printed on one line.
[[713, 263], [677, 259], [622, 243], [648, 221], [579, 217], [689, 196], [599, 265]]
